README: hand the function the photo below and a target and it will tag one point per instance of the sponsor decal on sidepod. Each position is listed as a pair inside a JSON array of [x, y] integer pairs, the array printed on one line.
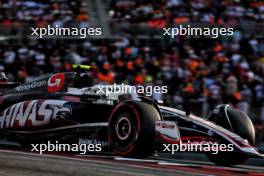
[[32, 113]]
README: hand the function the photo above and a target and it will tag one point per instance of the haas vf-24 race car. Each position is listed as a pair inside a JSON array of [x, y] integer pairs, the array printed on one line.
[[69, 107]]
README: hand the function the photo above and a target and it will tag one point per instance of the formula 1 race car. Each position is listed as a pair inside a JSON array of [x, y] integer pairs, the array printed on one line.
[[70, 107]]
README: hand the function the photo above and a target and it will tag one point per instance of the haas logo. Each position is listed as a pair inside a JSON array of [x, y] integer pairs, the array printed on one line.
[[33, 113], [56, 82]]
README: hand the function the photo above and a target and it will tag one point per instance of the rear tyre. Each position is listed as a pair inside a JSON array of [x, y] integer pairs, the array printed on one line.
[[131, 130], [238, 123]]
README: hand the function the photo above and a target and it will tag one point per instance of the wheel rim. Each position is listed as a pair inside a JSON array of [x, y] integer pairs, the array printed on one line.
[[123, 128]]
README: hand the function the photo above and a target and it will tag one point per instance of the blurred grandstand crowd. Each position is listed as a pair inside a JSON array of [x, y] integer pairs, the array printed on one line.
[[42, 13], [225, 70], [163, 12]]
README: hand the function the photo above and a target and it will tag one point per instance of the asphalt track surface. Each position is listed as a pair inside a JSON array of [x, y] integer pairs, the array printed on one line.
[[22, 162]]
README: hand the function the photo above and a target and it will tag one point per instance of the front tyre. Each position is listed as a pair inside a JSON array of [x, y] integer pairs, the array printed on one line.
[[131, 130]]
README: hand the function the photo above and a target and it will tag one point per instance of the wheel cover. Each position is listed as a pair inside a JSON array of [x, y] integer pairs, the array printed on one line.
[[123, 128]]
